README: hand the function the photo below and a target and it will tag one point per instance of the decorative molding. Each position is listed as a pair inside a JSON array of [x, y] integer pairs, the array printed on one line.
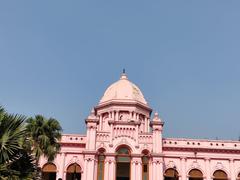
[[199, 149], [219, 166], [170, 164], [195, 165]]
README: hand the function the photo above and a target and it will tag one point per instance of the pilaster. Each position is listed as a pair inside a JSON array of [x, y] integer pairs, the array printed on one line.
[[157, 165], [89, 167], [232, 171], [136, 168], [208, 168], [110, 165], [183, 168]]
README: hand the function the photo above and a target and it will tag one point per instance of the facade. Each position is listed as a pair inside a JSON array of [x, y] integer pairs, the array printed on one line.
[[123, 143]]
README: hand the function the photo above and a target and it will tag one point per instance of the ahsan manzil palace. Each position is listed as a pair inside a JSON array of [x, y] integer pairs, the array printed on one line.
[[123, 142]]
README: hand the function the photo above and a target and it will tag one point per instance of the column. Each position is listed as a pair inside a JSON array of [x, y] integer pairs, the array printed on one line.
[[111, 169], [138, 169], [111, 133], [114, 115], [183, 168], [134, 116], [85, 170], [136, 136], [88, 135], [93, 161], [146, 124], [89, 168], [100, 123], [232, 171], [117, 115], [154, 171], [208, 168], [157, 169], [161, 170], [150, 170], [106, 170], [133, 169], [96, 169], [63, 165]]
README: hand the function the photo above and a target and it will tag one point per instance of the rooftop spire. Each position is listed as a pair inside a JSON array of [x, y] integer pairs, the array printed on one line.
[[123, 75]]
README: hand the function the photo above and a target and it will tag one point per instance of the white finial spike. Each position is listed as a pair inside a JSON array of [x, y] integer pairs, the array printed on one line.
[[124, 75], [156, 117]]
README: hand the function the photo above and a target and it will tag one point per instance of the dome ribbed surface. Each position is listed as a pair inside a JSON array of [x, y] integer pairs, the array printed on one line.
[[124, 90]]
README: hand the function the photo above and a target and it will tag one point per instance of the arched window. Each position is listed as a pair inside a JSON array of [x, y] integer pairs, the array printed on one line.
[[220, 175], [73, 172], [145, 165], [123, 163], [100, 170], [171, 174], [49, 171], [195, 174], [123, 155]]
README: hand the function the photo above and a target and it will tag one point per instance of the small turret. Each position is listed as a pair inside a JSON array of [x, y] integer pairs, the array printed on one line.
[[157, 127], [91, 123]]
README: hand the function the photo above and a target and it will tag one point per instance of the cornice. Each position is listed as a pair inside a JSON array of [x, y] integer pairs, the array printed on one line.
[[124, 122], [198, 149], [116, 102]]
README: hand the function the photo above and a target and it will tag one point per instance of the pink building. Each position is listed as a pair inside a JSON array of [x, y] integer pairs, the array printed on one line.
[[124, 143]]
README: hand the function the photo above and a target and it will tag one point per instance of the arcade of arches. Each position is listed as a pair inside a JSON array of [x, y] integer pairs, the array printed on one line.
[[73, 172], [123, 169]]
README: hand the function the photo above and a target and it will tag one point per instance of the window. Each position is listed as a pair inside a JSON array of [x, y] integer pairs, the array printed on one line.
[[220, 175], [171, 174], [195, 174]]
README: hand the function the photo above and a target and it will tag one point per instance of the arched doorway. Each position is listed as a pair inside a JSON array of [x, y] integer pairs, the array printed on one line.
[[73, 172], [49, 171], [171, 174], [220, 175], [145, 165], [195, 174], [123, 164]]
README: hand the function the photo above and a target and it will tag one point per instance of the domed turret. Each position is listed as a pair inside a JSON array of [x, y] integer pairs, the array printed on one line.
[[123, 90]]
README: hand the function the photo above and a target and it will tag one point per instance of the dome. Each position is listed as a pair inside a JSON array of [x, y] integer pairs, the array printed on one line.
[[123, 90]]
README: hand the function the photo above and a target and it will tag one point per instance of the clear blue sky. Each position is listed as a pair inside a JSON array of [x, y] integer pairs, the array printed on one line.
[[58, 57]]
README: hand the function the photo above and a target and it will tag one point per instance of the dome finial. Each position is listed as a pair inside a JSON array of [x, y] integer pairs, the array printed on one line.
[[124, 75]]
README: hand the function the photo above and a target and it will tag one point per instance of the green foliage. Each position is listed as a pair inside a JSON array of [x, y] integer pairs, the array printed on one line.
[[23, 167], [44, 136], [23, 141], [12, 132], [15, 162]]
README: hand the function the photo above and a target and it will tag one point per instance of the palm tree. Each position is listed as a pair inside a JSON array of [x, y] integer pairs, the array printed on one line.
[[15, 161], [12, 132], [44, 136]]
